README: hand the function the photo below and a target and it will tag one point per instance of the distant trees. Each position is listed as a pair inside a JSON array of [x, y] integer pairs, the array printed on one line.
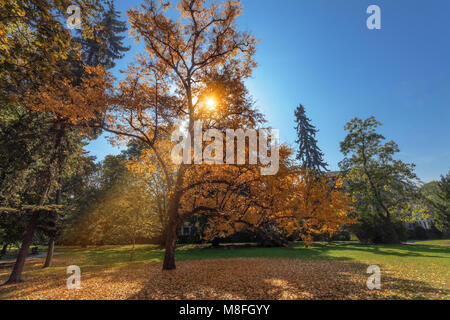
[[308, 153], [437, 194], [385, 190], [130, 211], [115, 206]]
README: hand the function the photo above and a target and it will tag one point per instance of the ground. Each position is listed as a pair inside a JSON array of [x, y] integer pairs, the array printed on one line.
[[323, 271]]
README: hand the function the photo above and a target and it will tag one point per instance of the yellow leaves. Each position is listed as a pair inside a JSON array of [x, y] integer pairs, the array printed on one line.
[[18, 11], [78, 103], [281, 200]]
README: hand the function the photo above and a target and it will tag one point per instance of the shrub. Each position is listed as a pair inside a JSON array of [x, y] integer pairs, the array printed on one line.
[[373, 230], [342, 236]]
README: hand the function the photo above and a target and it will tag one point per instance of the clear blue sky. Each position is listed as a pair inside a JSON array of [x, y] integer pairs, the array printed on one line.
[[321, 54]]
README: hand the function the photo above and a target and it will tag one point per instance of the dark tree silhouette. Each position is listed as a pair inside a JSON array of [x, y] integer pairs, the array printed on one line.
[[308, 153], [106, 44]]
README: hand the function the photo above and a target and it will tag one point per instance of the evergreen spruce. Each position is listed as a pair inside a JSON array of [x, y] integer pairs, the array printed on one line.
[[309, 153], [107, 43]]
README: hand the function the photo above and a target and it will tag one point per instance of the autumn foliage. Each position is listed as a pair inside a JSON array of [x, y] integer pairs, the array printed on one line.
[[197, 56]]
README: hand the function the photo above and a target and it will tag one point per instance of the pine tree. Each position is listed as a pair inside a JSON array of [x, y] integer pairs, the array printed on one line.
[[309, 153], [106, 44]]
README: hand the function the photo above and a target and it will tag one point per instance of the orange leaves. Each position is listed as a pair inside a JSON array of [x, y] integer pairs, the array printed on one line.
[[78, 103], [231, 278], [290, 201]]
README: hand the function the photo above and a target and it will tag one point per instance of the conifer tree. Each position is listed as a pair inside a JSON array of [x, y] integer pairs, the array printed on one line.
[[309, 153], [106, 45]]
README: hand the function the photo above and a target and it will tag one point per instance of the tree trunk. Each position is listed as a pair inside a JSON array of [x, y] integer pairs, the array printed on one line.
[[171, 240], [51, 242], [16, 275], [5, 247], [132, 249], [173, 221], [50, 249]]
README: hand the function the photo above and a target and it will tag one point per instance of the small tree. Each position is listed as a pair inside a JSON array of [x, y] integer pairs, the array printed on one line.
[[132, 213]]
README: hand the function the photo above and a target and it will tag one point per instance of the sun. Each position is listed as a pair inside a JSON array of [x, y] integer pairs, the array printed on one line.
[[210, 103]]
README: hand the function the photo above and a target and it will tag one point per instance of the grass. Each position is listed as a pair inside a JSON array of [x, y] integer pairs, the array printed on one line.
[[445, 242], [12, 251], [426, 256], [411, 271]]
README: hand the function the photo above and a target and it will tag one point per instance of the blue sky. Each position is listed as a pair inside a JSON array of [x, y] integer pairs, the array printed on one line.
[[321, 54]]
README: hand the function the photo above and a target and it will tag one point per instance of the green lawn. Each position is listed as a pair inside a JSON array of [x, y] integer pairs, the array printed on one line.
[[433, 242], [373, 254]]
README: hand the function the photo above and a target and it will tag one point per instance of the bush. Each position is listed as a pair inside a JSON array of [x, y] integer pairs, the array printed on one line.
[[434, 233], [418, 233], [374, 230], [342, 236]]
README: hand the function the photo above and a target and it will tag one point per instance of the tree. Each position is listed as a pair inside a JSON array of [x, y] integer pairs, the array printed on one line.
[[31, 157], [179, 55], [294, 201], [56, 68], [384, 189], [118, 207], [34, 40], [131, 212], [50, 162], [309, 153], [158, 92], [438, 200], [106, 44]]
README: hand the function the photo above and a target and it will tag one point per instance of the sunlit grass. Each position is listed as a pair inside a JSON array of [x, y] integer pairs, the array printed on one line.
[[439, 242]]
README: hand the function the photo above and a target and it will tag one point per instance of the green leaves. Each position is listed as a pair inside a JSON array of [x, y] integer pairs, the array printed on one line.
[[380, 185]]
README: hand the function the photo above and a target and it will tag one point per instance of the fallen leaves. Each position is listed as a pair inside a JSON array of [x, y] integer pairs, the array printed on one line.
[[235, 278]]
